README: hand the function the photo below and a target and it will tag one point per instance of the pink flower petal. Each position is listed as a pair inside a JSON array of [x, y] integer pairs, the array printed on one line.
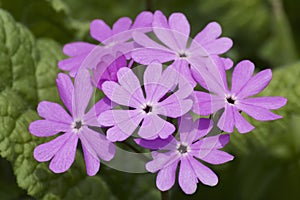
[[150, 81], [147, 55], [83, 90], [216, 157], [115, 134], [163, 32], [226, 122], [201, 127], [46, 128], [228, 63], [210, 32], [241, 123], [153, 125], [143, 40], [128, 80], [158, 143], [207, 144], [173, 106], [72, 64], [127, 120], [44, 152], [92, 164], [121, 25], [206, 104], [241, 75], [78, 48], [166, 177], [144, 19], [219, 46], [167, 82], [53, 112], [187, 179], [266, 102], [99, 30], [258, 113], [162, 160], [65, 156], [65, 89], [256, 84], [184, 72], [97, 143], [90, 117], [119, 95], [181, 29], [203, 173]]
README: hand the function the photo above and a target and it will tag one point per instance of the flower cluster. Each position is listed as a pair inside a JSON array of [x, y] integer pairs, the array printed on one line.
[[184, 79]]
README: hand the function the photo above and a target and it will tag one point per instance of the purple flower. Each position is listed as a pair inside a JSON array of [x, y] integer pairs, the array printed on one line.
[[186, 151], [107, 69], [111, 41], [61, 150], [145, 109], [237, 99], [174, 34]]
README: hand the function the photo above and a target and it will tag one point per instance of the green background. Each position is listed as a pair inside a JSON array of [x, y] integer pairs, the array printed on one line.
[[32, 34]]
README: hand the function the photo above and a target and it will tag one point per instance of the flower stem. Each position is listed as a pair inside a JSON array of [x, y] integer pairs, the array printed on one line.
[[164, 195]]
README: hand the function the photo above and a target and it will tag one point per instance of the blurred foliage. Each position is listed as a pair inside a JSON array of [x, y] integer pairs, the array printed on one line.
[[265, 31]]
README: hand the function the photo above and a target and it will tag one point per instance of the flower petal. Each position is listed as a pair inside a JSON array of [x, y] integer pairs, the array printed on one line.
[[242, 125], [78, 48], [166, 177], [201, 127], [65, 89], [147, 55], [121, 25], [154, 126], [53, 112], [174, 107], [163, 31], [210, 32], [44, 152], [206, 104], [162, 160], [128, 80], [83, 90], [119, 95], [168, 81], [144, 19], [187, 179], [203, 173], [226, 122], [181, 29], [96, 142], [90, 118], [256, 84], [99, 30], [266, 102], [65, 156], [127, 120], [241, 75], [184, 72], [158, 143], [258, 113], [219, 46], [46, 128], [92, 164], [115, 134], [204, 146], [150, 81], [216, 157]]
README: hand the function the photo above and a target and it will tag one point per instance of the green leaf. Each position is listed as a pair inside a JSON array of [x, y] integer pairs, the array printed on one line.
[[28, 72]]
